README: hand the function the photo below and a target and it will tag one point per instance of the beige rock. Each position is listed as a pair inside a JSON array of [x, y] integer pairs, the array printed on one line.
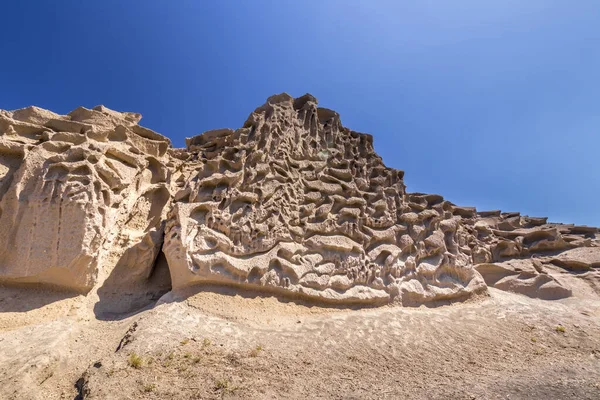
[[583, 258], [525, 277], [292, 203], [292, 193], [82, 200]]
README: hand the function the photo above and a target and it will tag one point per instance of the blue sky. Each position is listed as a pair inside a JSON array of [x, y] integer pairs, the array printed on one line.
[[493, 104]]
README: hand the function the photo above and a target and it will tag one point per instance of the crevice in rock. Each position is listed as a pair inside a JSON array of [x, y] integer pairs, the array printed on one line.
[[128, 337], [81, 385]]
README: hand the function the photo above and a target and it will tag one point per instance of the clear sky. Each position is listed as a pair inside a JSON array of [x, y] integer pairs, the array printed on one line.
[[493, 104]]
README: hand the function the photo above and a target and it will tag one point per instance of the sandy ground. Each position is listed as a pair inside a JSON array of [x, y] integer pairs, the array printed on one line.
[[216, 345]]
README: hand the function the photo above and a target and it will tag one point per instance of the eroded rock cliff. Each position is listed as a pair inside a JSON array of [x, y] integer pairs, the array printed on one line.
[[80, 195], [292, 202]]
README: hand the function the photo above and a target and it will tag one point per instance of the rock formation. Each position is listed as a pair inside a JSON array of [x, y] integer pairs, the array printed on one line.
[[81, 195], [292, 203]]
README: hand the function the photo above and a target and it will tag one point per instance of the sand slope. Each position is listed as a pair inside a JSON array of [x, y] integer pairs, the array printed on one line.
[[216, 345]]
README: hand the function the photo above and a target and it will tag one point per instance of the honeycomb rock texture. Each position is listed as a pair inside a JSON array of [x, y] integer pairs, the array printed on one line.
[[292, 203]]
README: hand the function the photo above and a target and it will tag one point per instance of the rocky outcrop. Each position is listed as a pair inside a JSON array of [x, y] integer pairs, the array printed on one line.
[[525, 276], [80, 194], [513, 253], [292, 203]]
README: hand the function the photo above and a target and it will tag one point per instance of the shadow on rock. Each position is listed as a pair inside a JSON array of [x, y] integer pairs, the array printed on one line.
[[121, 296], [23, 298]]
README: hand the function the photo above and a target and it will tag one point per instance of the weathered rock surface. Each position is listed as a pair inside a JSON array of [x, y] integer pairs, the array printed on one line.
[[527, 277], [292, 202], [81, 195]]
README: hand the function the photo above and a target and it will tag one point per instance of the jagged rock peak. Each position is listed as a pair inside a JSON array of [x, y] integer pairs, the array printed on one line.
[[283, 111], [295, 126]]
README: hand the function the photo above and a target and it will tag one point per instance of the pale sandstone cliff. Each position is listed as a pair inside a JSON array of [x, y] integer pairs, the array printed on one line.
[[82, 196], [292, 203]]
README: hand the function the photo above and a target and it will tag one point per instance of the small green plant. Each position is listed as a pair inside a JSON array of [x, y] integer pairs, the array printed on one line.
[[185, 341], [171, 356], [222, 384], [560, 328], [135, 361], [187, 355], [534, 339], [196, 360], [206, 342], [539, 352], [256, 351], [225, 387], [150, 387]]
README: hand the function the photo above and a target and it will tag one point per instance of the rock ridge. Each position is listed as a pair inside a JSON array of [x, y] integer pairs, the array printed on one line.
[[292, 202]]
